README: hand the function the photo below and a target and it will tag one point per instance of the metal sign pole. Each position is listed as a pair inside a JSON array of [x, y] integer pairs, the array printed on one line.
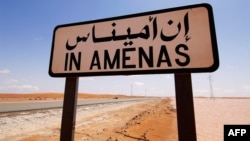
[[185, 107], [69, 109]]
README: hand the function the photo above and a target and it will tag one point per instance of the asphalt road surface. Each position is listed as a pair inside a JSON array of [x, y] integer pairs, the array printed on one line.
[[15, 107]]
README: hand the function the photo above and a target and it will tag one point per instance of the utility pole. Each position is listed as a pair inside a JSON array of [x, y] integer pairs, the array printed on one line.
[[211, 87], [131, 89]]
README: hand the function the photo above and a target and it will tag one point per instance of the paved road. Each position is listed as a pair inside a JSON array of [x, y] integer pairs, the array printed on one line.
[[14, 107]]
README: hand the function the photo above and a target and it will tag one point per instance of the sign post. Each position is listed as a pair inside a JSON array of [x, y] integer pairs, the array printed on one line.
[[185, 107], [178, 40], [69, 109]]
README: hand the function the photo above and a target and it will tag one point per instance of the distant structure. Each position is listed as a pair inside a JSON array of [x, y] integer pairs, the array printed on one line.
[[131, 93], [211, 87]]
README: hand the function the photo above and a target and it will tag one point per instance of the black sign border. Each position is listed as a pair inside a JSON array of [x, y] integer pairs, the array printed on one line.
[[212, 68]]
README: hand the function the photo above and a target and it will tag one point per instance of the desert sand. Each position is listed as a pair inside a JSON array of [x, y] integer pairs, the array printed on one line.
[[153, 120], [11, 97], [212, 114], [127, 121]]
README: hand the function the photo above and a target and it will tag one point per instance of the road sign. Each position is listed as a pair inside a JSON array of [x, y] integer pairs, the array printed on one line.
[[165, 41]]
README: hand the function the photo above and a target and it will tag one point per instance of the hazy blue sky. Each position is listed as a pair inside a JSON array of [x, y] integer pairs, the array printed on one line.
[[26, 29]]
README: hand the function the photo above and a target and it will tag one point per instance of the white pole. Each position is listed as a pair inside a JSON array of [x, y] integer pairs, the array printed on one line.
[[211, 87]]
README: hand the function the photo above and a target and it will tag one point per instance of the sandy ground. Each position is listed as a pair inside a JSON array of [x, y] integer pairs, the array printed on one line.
[[212, 114], [128, 121], [51, 97]]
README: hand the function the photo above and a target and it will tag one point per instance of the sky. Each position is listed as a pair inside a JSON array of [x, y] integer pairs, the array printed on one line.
[[26, 31]]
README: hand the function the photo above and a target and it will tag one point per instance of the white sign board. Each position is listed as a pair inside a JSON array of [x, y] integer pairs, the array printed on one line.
[[165, 41]]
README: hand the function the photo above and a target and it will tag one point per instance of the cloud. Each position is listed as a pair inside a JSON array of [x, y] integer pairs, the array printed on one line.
[[4, 71], [247, 87], [139, 83], [12, 81], [169, 76], [19, 88], [29, 87]]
